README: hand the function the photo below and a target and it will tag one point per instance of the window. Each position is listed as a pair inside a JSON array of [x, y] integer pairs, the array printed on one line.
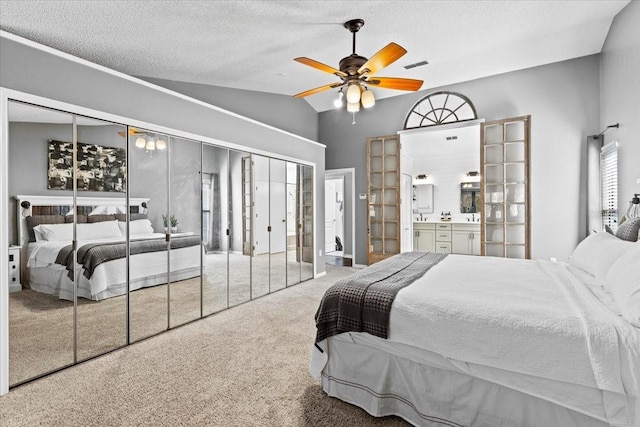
[[609, 184], [440, 108]]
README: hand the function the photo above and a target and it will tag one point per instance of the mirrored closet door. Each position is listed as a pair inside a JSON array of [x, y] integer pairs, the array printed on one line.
[[149, 259], [293, 222], [119, 233], [260, 226], [41, 308], [185, 230], [100, 199], [240, 231], [306, 222], [278, 225], [215, 228]]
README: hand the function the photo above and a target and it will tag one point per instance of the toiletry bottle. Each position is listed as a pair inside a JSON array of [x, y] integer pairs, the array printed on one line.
[[442, 216]]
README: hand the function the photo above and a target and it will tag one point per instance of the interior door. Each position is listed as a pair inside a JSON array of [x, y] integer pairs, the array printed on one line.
[[407, 221], [329, 216], [504, 154], [383, 189]]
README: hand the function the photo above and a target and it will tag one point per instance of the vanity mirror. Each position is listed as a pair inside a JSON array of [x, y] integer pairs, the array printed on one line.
[[423, 199], [470, 197]]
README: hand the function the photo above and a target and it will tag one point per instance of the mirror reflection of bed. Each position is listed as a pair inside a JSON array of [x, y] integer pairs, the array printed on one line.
[[210, 200]]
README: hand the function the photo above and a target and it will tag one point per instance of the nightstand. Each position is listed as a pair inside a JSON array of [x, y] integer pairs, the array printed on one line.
[[14, 269]]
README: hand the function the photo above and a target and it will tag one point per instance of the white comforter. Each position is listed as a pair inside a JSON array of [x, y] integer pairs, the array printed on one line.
[[42, 254], [109, 278], [540, 327]]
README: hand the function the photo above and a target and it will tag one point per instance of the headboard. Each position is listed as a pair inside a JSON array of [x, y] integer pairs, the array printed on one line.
[[62, 205]]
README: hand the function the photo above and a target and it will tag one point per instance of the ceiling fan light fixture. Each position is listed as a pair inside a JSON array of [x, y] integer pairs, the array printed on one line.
[[338, 101], [151, 145], [141, 142], [161, 144], [367, 98], [353, 107], [353, 93]]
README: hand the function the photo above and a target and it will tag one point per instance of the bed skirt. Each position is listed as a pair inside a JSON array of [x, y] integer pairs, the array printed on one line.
[[428, 394]]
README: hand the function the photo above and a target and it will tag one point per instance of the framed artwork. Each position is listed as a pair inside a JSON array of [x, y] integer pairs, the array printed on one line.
[[99, 168]]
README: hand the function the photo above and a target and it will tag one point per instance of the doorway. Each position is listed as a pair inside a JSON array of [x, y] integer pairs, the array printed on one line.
[[339, 216]]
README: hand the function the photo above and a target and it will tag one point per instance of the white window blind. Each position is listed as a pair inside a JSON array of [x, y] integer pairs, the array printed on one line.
[[609, 184]]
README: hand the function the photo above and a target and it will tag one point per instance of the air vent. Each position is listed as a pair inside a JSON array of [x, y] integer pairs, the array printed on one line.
[[451, 138], [417, 64]]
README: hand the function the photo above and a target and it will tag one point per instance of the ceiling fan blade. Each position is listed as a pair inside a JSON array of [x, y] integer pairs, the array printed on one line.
[[385, 56], [316, 90], [320, 66], [132, 131], [395, 83]]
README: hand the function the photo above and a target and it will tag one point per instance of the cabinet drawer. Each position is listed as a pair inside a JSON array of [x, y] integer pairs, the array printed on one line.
[[443, 236], [441, 227], [466, 227], [423, 226], [443, 247]]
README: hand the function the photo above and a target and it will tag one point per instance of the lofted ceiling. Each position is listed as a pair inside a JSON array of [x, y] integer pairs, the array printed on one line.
[[251, 44]]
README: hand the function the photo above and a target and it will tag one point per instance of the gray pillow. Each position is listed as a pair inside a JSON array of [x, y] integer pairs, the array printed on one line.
[[629, 230]]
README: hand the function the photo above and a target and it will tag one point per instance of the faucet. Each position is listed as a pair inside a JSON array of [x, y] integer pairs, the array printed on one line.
[[421, 217], [473, 217]]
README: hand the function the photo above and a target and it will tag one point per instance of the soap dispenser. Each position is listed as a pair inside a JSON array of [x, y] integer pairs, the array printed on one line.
[[442, 216]]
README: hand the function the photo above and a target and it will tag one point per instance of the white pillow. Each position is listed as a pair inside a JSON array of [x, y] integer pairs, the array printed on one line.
[[597, 253], [108, 209], [98, 230], [54, 232], [136, 227], [623, 281]]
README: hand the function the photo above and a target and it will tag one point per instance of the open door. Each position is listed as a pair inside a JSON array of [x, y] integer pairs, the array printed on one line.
[[383, 196], [504, 156]]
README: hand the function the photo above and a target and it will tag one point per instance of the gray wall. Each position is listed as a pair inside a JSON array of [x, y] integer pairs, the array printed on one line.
[[28, 159], [284, 112], [563, 100], [620, 97], [31, 70]]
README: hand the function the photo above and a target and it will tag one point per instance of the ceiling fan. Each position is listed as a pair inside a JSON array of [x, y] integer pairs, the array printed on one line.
[[355, 72]]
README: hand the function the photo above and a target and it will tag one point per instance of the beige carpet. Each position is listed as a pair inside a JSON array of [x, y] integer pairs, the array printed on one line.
[[245, 366]]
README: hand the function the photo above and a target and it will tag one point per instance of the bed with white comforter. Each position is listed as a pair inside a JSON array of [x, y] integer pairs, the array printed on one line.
[[110, 278], [489, 341]]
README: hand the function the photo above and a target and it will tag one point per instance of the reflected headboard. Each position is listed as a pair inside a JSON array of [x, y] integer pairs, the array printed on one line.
[[62, 205]]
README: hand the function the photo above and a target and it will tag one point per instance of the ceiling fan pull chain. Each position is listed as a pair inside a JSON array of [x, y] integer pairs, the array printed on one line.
[[354, 119]]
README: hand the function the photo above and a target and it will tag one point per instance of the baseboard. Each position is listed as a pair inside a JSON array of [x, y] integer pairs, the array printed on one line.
[[321, 274], [359, 266], [15, 287]]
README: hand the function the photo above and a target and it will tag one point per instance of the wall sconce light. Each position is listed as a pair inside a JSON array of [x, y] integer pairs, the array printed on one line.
[[26, 208]]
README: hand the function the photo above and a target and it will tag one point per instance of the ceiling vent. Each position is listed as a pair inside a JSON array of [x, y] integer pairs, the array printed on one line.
[[417, 64], [451, 138]]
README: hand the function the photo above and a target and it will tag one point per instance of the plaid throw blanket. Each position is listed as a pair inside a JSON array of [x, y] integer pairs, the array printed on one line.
[[362, 301], [92, 255]]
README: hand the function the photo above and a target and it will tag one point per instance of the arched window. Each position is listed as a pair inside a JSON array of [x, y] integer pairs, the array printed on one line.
[[440, 108]]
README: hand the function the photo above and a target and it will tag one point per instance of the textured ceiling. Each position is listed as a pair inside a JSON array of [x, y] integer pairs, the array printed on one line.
[[251, 44]]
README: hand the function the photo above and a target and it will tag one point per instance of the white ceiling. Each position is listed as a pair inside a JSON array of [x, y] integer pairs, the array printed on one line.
[[251, 44]]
